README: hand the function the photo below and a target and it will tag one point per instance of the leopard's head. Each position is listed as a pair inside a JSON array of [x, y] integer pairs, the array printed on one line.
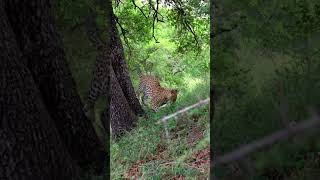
[[174, 94]]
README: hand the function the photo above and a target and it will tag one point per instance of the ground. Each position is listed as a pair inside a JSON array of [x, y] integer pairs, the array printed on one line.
[[145, 153]]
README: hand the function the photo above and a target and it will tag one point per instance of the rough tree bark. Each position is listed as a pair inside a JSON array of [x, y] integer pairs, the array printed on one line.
[[120, 67], [30, 145], [33, 24], [212, 83], [122, 117], [121, 100], [124, 104]]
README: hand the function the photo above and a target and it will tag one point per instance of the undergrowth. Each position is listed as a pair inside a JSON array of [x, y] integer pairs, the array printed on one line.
[[146, 153]]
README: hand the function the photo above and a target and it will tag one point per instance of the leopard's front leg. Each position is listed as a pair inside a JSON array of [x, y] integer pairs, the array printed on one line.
[[155, 103], [154, 106]]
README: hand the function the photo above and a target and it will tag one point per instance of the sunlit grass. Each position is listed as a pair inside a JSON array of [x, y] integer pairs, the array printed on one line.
[[143, 140], [192, 83]]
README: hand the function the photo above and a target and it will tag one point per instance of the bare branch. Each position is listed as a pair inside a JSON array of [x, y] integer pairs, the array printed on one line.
[[157, 12], [192, 32], [174, 115], [202, 102], [187, 25], [155, 17], [267, 141], [123, 32], [136, 6], [117, 2], [153, 26]]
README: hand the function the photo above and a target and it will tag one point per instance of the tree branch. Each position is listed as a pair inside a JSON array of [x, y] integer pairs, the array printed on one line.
[[153, 26], [202, 102], [267, 141], [155, 16], [136, 6], [192, 32], [187, 25], [123, 32], [117, 2]]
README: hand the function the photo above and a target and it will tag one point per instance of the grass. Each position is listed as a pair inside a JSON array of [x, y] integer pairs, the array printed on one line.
[[145, 152]]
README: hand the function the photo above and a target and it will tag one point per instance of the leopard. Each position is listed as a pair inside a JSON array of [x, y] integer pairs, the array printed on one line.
[[99, 86], [153, 92]]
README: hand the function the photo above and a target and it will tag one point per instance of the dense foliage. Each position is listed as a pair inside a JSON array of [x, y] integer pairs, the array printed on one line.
[[268, 59]]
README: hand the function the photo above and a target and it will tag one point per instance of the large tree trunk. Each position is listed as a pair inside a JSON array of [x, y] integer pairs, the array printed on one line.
[[121, 68], [212, 82], [32, 22], [30, 145], [122, 117], [213, 151], [122, 103]]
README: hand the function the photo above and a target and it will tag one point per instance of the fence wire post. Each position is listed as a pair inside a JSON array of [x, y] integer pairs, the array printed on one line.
[[165, 124]]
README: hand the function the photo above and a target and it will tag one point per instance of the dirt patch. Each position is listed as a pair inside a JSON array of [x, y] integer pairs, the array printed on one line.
[[173, 177], [178, 177], [134, 171], [200, 160], [195, 117], [194, 136]]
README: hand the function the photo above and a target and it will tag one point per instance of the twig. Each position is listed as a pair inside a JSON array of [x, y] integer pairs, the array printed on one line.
[[155, 17], [185, 22], [117, 2], [269, 140], [192, 32], [165, 118], [123, 32], [136, 6], [153, 26]]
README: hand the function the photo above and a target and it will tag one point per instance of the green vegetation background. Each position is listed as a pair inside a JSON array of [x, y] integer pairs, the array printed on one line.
[[271, 57]]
